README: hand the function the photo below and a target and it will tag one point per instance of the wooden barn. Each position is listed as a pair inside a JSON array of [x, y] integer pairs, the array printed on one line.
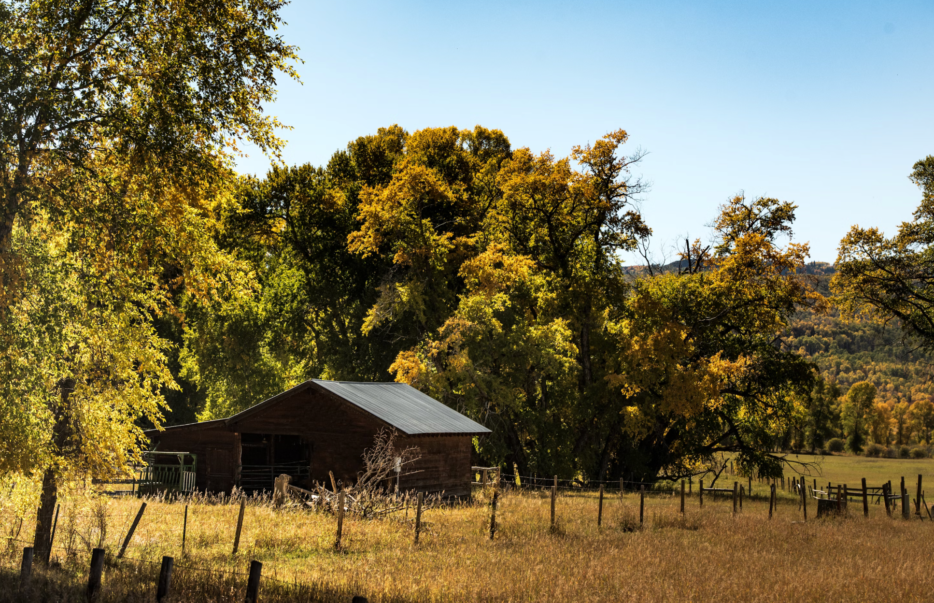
[[321, 426]]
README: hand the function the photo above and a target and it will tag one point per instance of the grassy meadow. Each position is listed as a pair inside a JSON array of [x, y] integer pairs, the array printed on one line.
[[708, 554]]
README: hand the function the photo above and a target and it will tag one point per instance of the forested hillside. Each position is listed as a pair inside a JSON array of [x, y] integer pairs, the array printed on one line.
[[850, 351]]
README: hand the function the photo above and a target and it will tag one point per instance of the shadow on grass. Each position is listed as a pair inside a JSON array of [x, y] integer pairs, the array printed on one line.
[[126, 582]]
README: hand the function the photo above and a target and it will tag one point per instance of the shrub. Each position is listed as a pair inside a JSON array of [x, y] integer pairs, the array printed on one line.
[[919, 453], [835, 445], [891, 453], [904, 452], [875, 450]]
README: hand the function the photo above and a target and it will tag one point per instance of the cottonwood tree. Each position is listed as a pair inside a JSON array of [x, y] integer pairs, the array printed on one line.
[[117, 118], [892, 278]]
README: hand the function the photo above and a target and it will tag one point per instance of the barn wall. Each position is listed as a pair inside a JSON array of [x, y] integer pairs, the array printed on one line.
[[337, 431], [444, 464], [217, 450]]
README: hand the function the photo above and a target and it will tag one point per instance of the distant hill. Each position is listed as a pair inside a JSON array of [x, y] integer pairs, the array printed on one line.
[[852, 351]]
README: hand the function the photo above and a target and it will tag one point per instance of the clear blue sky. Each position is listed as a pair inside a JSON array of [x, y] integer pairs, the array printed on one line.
[[824, 104]]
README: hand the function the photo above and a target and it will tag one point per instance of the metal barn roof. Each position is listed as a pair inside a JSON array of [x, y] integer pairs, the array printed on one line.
[[404, 407]]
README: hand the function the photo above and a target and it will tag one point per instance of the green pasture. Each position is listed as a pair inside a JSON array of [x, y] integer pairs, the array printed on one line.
[[850, 469]]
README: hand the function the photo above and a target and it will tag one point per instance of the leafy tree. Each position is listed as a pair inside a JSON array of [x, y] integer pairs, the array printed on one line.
[[880, 424], [886, 278], [921, 419], [115, 125], [901, 422], [859, 402], [820, 405]]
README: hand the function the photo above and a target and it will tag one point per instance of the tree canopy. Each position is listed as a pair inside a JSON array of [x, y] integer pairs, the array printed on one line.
[[493, 278]]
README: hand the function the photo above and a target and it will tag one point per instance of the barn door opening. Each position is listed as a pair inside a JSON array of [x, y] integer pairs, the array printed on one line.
[[264, 457]]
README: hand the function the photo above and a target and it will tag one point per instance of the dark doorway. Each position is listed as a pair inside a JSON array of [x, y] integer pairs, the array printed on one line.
[[264, 457]]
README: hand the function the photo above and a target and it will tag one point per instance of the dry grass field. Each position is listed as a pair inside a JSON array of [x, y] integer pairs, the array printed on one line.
[[707, 555]]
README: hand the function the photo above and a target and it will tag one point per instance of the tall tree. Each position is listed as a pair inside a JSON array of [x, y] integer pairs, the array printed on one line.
[[115, 117], [856, 410]]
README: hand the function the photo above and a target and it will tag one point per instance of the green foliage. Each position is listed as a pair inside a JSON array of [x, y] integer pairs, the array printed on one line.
[[874, 450], [918, 453], [835, 445]]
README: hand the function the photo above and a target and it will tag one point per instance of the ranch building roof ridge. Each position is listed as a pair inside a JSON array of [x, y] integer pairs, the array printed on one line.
[[399, 405]]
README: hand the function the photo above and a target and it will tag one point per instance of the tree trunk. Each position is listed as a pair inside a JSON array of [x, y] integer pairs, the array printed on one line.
[[47, 501], [42, 543]]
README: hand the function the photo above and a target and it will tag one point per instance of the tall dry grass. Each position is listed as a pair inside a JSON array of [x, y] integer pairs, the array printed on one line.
[[707, 555]]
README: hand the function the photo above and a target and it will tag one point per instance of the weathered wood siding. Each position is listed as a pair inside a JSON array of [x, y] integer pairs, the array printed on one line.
[[217, 449], [444, 464]]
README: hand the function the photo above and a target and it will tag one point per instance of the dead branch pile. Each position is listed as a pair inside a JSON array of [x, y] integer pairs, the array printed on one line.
[[375, 493]]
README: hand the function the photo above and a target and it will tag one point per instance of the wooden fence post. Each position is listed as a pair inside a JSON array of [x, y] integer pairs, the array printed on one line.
[[865, 500], [735, 495], [804, 499], [252, 584], [164, 588], [129, 534], [418, 515], [340, 520], [94, 577], [554, 496], [184, 530], [700, 492], [885, 498], [641, 504], [600, 508], [239, 525], [493, 511], [25, 569], [771, 499], [682, 497], [917, 500]]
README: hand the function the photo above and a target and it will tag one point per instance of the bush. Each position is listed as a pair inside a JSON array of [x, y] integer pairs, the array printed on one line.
[[835, 445], [919, 453], [891, 453], [904, 452], [875, 450]]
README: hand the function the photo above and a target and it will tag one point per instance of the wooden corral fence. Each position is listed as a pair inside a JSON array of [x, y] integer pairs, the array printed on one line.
[[160, 472]]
